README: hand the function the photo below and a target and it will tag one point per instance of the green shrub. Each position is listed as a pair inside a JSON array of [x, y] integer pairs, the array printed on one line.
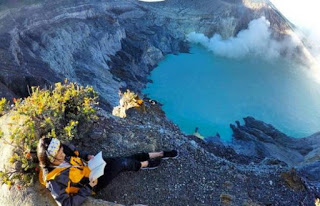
[[4, 106], [65, 112], [128, 100]]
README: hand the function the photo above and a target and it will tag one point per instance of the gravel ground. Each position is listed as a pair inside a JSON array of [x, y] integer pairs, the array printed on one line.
[[204, 174]]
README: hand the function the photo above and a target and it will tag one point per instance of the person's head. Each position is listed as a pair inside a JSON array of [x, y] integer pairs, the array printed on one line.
[[50, 152]]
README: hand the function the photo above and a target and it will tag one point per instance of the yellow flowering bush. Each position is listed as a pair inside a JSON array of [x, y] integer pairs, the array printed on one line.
[[65, 111], [4, 106], [127, 100]]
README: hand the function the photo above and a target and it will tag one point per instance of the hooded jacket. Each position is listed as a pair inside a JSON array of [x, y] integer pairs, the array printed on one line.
[[69, 182]]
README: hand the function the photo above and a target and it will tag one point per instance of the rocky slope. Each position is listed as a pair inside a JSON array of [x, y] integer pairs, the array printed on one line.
[[261, 140], [107, 44], [204, 174], [113, 45]]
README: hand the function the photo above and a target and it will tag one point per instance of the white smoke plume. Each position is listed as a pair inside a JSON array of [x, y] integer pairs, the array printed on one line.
[[254, 41]]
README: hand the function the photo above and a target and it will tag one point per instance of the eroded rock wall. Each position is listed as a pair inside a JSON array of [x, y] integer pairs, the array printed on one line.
[[108, 44]]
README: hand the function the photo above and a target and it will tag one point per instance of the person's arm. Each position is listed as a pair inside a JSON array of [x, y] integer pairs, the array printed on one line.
[[76, 151], [62, 198]]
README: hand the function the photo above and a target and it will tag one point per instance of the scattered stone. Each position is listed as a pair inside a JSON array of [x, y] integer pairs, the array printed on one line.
[[228, 185], [250, 203], [226, 199], [270, 182]]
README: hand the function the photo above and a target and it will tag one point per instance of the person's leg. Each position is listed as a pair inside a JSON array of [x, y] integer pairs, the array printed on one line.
[[143, 156], [151, 155], [155, 154], [148, 160], [151, 164], [114, 167], [144, 164], [132, 163]]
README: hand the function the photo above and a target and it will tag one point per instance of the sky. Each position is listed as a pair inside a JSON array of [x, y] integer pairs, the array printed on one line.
[[305, 15]]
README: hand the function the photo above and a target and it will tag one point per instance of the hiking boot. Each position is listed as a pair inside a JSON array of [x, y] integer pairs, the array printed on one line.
[[152, 164], [170, 154]]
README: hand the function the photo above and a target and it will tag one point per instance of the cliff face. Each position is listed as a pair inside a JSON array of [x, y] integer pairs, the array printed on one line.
[[107, 44], [258, 139], [114, 44]]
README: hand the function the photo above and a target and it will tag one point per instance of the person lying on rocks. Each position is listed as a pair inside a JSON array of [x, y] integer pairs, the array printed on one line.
[[65, 173]]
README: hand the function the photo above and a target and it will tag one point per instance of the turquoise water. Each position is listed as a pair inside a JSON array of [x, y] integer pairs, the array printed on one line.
[[210, 92]]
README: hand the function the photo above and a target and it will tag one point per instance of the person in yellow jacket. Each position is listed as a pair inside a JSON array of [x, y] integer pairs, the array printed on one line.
[[64, 170]]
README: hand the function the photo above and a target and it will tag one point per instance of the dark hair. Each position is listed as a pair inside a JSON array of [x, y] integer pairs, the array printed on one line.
[[43, 145]]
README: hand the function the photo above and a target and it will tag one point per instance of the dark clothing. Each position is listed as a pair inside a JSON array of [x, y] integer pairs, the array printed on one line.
[[57, 188], [59, 184], [69, 150], [120, 164]]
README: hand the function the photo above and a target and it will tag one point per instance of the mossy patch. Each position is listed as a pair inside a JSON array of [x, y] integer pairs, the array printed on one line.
[[293, 180], [226, 199]]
